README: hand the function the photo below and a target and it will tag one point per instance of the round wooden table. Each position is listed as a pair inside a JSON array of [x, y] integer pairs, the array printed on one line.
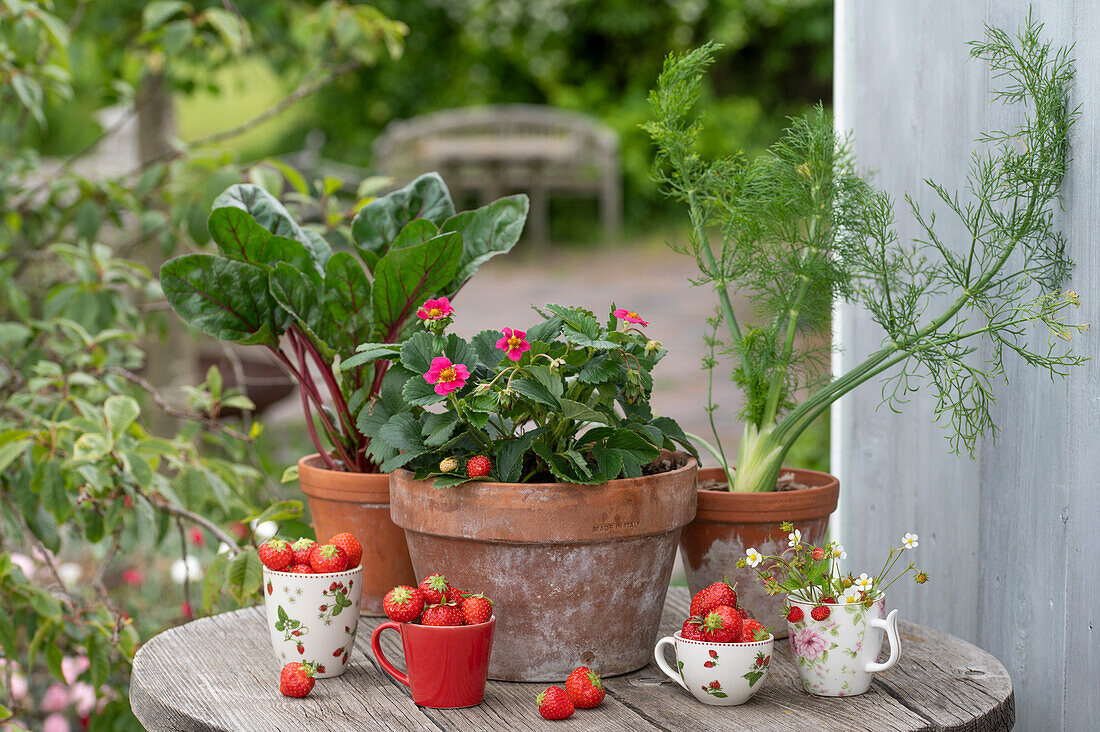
[[219, 673]]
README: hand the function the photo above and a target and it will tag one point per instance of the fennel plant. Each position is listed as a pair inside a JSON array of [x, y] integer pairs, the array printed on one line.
[[799, 226]]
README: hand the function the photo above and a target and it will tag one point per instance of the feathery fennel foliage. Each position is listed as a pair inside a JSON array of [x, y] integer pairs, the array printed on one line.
[[799, 226]]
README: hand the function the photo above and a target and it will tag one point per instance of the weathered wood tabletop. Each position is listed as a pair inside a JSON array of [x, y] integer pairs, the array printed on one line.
[[219, 673]]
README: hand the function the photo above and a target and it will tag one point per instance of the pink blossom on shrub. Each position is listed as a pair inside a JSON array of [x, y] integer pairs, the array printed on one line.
[[629, 316], [56, 723], [515, 343], [133, 577], [73, 666], [56, 699], [435, 309], [24, 563], [197, 537], [446, 376], [83, 698]]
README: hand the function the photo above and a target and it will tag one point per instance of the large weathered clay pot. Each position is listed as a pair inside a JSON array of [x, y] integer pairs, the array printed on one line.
[[578, 573], [359, 503], [727, 524]]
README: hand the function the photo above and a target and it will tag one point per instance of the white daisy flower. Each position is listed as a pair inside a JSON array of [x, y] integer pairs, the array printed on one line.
[[191, 570], [851, 595], [909, 541], [794, 538], [754, 557], [863, 582], [838, 552]]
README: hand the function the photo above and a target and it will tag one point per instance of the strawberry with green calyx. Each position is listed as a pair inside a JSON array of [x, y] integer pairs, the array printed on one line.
[[351, 547], [795, 615], [328, 558], [692, 629], [584, 687], [301, 549], [708, 598], [752, 631], [276, 554], [442, 615], [820, 612], [722, 625], [455, 596], [478, 466], [477, 609], [554, 703], [434, 588], [403, 603], [296, 680]]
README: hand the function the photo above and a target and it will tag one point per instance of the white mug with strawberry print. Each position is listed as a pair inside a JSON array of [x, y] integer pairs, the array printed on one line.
[[720, 674], [836, 650], [312, 617]]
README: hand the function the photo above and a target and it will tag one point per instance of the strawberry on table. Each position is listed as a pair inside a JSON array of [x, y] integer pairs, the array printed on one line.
[[328, 558], [351, 547], [403, 603], [722, 625], [442, 615], [276, 554], [296, 680], [301, 549], [708, 598], [584, 687], [752, 631], [477, 609], [434, 588], [554, 703]]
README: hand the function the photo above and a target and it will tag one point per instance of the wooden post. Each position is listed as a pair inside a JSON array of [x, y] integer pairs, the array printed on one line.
[[1008, 538]]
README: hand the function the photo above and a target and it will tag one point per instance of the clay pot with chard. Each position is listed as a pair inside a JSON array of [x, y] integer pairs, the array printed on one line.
[[541, 475], [279, 285]]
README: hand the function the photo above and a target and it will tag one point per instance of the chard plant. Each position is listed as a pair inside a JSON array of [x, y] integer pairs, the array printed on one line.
[[277, 284], [798, 226], [566, 400]]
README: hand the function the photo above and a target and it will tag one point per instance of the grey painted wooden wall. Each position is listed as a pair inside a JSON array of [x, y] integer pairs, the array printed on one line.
[[1011, 539]]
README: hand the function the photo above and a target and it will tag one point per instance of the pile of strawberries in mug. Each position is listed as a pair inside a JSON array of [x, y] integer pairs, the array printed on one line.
[[717, 618], [436, 602]]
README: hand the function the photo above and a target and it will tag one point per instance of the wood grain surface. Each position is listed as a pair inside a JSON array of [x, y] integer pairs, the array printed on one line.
[[219, 673]]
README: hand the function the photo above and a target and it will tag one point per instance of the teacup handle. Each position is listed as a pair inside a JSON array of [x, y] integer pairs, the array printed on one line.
[[376, 646], [659, 654], [890, 624]]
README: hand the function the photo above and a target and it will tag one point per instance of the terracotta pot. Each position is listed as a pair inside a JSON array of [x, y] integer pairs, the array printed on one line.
[[729, 523], [359, 503], [578, 573]]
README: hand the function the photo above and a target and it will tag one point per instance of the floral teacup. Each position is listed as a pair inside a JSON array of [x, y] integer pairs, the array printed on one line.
[[836, 656], [721, 674], [312, 617]]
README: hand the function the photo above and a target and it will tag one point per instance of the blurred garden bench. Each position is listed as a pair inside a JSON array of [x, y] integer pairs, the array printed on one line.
[[219, 673], [496, 150]]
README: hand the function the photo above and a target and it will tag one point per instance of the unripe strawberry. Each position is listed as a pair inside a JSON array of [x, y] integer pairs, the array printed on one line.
[[448, 465], [818, 554]]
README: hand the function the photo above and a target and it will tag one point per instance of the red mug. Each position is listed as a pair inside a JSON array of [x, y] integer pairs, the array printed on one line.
[[448, 665]]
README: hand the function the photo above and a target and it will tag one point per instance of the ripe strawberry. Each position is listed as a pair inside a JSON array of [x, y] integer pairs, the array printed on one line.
[[296, 680], [403, 603], [742, 612], [722, 625], [708, 598], [478, 466], [275, 554], [301, 549], [477, 609], [455, 596], [795, 615], [442, 615], [351, 547], [434, 588], [302, 569], [818, 554], [692, 630], [830, 600], [820, 612], [327, 558], [752, 631], [584, 688], [554, 703]]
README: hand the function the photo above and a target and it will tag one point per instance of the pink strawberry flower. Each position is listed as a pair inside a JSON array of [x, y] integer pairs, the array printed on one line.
[[630, 317], [446, 376], [515, 343], [435, 309]]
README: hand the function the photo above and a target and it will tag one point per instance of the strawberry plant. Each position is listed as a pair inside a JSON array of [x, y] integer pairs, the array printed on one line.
[[566, 400], [277, 284]]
